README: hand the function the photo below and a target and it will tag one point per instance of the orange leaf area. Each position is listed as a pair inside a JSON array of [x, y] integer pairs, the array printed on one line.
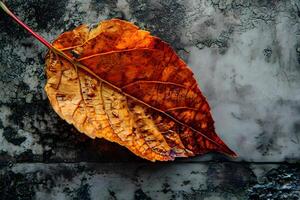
[[131, 88]]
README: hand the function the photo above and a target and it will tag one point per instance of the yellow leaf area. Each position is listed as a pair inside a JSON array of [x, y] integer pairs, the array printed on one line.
[[126, 86]]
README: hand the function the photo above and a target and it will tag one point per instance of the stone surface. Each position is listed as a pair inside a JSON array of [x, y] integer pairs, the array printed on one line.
[[246, 58], [208, 181]]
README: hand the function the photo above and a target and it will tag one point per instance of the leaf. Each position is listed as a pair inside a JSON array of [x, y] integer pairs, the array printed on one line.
[[105, 99], [129, 87]]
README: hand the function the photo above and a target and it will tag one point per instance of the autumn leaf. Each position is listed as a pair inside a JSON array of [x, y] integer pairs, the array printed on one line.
[[119, 83]]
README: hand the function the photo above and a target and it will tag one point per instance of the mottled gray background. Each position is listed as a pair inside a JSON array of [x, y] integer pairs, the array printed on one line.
[[246, 57]]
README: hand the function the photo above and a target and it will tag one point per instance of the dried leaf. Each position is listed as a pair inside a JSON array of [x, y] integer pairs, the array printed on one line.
[[126, 86]]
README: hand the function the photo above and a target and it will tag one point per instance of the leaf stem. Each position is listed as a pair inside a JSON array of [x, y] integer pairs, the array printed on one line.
[[37, 36], [15, 18]]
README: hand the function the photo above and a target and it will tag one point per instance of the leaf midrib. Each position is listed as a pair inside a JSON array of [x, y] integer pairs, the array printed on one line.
[[86, 69]]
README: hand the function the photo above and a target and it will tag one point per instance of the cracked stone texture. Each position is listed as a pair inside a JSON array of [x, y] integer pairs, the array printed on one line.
[[246, 57]]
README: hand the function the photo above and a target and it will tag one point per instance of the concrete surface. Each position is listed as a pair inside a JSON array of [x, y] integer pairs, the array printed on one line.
[[246, 57]]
